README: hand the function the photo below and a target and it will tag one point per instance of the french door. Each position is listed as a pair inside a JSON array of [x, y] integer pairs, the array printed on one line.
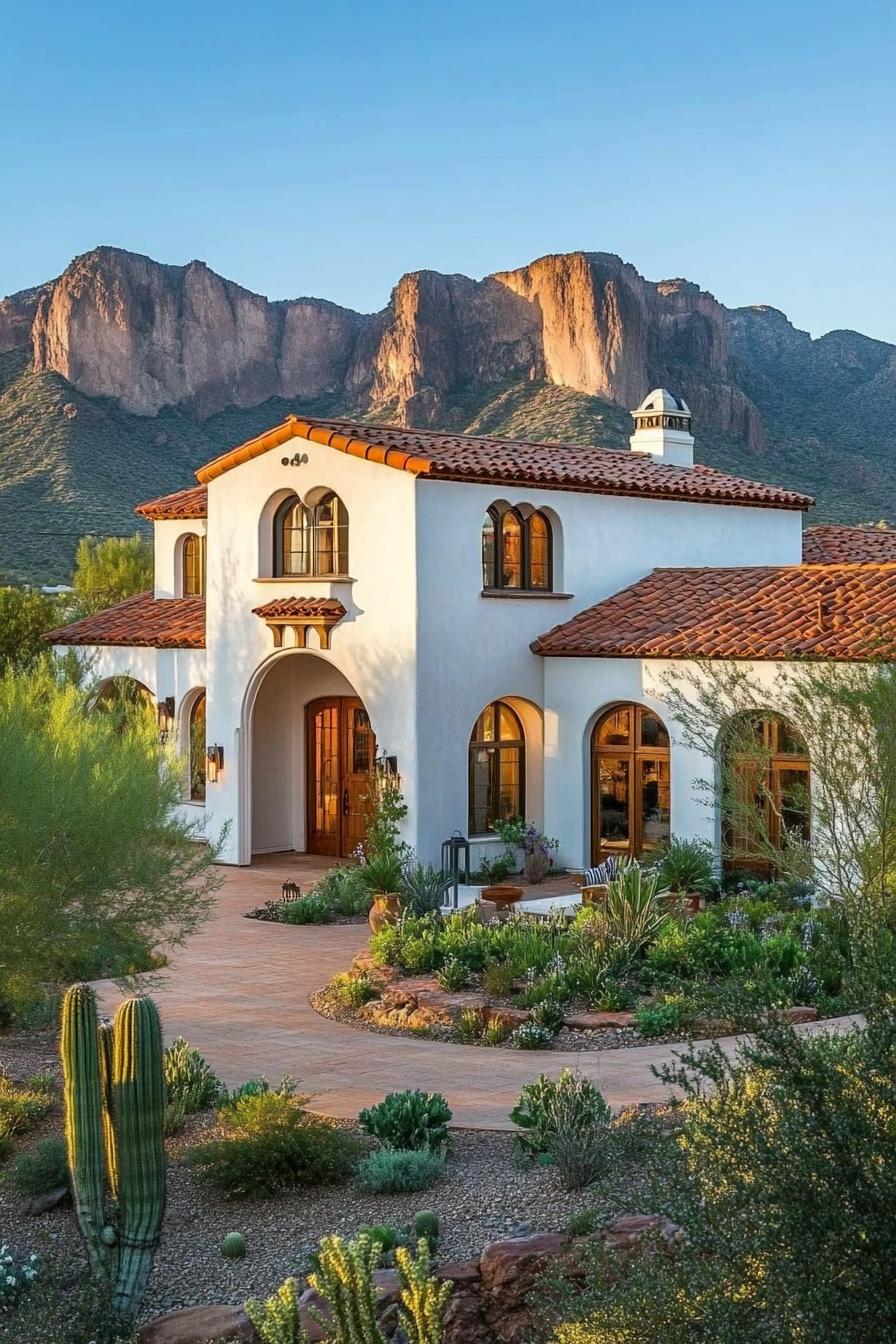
[[629, 783], [341, 751]]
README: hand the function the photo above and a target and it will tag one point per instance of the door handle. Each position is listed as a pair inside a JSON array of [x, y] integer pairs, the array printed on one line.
[[345, 802]]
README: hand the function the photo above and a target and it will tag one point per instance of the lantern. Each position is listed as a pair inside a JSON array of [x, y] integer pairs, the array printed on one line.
[[214, 758], [166, 717], [456, 862]]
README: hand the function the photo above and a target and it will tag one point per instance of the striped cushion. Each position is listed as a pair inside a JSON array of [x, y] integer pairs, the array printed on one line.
[[602, 874]]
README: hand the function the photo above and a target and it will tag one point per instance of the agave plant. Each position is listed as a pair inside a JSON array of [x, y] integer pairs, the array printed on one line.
[[630, 916]]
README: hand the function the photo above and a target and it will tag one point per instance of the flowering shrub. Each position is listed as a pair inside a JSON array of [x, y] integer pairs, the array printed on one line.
[[17, 1273]]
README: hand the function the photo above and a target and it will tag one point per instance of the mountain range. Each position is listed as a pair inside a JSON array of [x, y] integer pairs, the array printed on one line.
[[119, 377]]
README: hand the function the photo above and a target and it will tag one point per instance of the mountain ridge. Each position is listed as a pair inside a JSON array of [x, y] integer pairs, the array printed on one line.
[[118, 377]]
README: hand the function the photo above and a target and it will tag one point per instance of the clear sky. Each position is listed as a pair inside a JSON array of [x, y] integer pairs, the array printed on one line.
[[325, 149]]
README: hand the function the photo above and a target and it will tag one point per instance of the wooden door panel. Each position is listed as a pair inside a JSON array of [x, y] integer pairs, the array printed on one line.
[[341, 751]]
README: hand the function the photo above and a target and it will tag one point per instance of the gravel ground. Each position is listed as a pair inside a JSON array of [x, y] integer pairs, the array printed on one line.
[[485, 1195]]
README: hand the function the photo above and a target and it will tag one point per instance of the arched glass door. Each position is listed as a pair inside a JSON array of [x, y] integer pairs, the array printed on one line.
[[629, 783]]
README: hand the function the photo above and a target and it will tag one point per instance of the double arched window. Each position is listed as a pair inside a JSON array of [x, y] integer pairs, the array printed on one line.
[[192, 566], [766, 782], [629, 782], [497, 760], [311, 540], [517, 550]]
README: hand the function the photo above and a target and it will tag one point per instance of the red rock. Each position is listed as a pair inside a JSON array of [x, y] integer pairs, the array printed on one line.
[[446, 1008], [510, 1270], [461, 1272], [199, 1325], [599, 1021], [628, 1231], [508, 1018]]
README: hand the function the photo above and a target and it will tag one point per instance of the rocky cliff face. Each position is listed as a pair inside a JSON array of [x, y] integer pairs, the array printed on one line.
[[123, 326]]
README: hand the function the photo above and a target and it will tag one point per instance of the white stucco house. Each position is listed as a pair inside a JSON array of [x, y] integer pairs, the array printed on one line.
[[493, 618]]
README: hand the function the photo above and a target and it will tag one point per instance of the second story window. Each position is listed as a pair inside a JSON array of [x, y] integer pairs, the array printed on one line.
[[192, 566], [311, 540], [516, 551]]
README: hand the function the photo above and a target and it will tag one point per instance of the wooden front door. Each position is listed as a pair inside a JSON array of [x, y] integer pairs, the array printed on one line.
[[341, 750]]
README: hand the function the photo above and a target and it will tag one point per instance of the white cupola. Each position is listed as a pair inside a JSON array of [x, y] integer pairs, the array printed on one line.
[[663, 429]]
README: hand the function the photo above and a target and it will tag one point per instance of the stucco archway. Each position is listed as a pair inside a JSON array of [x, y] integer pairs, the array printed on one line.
[[302, 731]]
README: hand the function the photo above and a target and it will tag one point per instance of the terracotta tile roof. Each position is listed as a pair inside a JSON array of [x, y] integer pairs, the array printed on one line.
[[190, 503], [310, 608], [144, 620], [828, 544], [845, 612], [459, 457]]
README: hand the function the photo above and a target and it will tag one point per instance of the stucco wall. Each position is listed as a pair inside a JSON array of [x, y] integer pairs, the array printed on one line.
[[167, 541], [473, 649]]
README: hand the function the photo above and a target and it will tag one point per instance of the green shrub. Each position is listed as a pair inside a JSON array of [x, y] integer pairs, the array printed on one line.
[[582, 1223], [548, 1014], [382, 872], [267, 1143], [549, 989], [21, 1108], [530, 1036], [497, 980], [423, 1297], [351, 990], [426, 1224], [310, 909], [423, 888], [664, 1018], [396, 1171], [343, 890], [189, 1080], [571, 1096], [495, 1032], [670, 952], [468, 1027], [410, 1119], [42, 1169], [453, 974], [614, 997], [685, 865]]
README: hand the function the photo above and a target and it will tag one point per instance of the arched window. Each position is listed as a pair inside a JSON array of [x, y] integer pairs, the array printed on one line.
[[629, 782], [516, 551], [197, 749], [766, 791], [497, 768], [311, 540], [192, 566]]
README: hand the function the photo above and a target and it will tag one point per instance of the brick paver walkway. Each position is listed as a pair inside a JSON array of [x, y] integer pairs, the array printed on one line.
[[239, 992]]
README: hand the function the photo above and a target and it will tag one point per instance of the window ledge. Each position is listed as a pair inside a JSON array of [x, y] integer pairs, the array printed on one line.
[[303, 578], [532, 594]]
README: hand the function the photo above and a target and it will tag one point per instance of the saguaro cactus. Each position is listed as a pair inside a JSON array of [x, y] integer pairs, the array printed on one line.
[[115, 1111]]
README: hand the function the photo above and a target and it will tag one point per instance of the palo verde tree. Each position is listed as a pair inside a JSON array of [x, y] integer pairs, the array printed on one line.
[[109, 571], [97, 867]]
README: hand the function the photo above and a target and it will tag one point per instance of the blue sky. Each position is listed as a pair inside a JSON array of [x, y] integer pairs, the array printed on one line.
[[325, 149]]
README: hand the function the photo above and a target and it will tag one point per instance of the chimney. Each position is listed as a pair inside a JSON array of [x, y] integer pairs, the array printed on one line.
[[663, 429]]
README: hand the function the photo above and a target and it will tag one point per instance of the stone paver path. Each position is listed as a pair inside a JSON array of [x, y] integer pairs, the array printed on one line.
[[239, 989]]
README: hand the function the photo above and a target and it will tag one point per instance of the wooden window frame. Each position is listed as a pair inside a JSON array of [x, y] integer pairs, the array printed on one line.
[[313, 530], [634, 753], [192, 565], [493, 570], [495, 746], [777, 763]]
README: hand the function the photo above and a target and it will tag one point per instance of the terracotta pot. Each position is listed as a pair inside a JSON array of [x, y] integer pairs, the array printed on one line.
[[502, 895], [386, 909]]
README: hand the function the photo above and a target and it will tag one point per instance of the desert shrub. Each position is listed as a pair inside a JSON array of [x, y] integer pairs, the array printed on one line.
[[668, 1015], [396, 1171], [614, 996], [582, 1223], [453, 974], [342, 890], [548, 1014], [310, 909], [268, 1143], [549, 989], [191, 1083], [531, 1036], [632, 913], [423, 888], [351, 990], [571, 1098], [468, 1027], [497, 980], [495, 1032], [685, 865], [277, 1320], [410, 1119], [17, 1274], [42, 1169], [23, 1107]]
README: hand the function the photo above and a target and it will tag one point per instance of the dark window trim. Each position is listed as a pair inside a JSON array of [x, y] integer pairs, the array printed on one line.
[[633, 751], [311, 524], [497, 584], [495, 746]]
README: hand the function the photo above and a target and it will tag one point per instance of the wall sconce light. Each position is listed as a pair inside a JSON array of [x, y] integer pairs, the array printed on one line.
[[166, 717], [214, 758]]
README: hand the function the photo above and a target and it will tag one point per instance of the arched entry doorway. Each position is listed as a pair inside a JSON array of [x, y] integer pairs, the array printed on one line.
[[630, 796], [311, 752], [766, 784]]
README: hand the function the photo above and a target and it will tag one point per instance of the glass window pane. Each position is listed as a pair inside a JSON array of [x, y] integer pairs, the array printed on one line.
[[654, 803], [488, 552], [484, 730], [539, 552], [296, 541], [509, 800], [480, 788], [197, 750], [793, 794], [653, 731], [613, 782], [789, 741], [511, 551], [509, 724], [615, 728]]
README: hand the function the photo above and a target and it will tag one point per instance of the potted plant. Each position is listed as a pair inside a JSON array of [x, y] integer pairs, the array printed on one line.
[[685, 868], [382, 875], [536, 847]]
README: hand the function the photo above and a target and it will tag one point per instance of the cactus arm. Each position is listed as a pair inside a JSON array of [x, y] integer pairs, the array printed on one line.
[[138, 1095], [79, 1049], [106, 1035]]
